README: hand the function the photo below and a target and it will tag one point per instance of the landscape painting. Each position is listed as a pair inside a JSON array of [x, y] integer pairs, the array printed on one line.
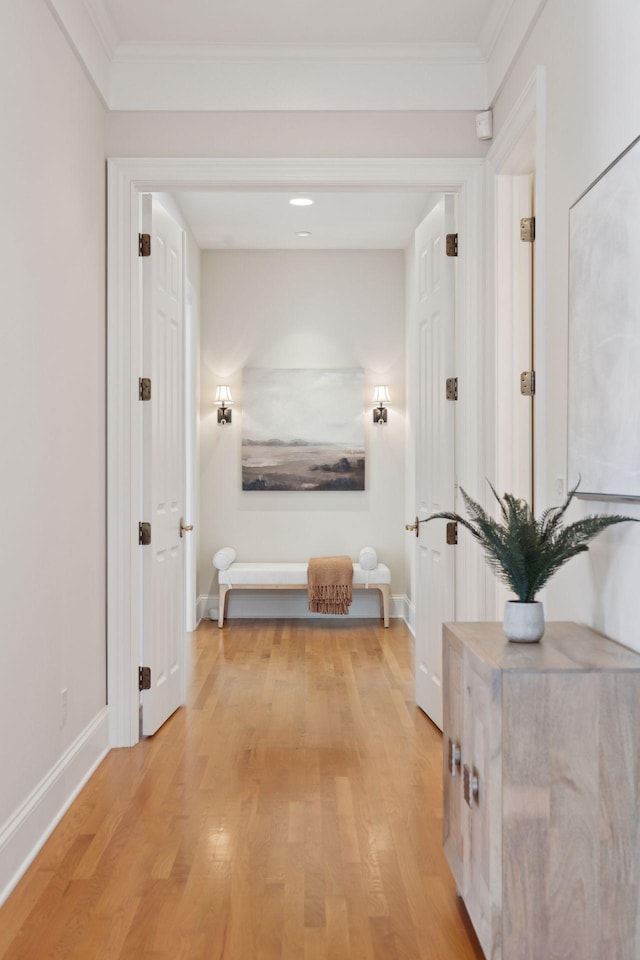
[[303, 429]]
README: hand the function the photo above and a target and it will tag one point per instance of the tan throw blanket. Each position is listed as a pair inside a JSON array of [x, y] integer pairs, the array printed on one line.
[[330, 582]]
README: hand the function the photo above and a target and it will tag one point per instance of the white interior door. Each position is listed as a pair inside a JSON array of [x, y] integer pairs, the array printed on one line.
[[435, 450], [514, 313], [163, 480]]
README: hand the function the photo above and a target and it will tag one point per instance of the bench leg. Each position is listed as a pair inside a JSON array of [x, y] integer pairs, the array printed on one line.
[[223, 596], [384, 602]]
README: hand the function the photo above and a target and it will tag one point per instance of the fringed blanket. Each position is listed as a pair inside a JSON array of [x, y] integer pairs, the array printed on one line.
[[330, 582]]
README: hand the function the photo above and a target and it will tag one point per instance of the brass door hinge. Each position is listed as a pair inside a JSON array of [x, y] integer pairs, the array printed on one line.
[[452, 533], [451, 245], [144, 388], [528, 383], [144, 534], [452, 388], [144, 678], [144, 244], [528, 229]]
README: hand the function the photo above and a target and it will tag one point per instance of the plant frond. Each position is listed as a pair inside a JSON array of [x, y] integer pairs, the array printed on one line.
[[525, 552]]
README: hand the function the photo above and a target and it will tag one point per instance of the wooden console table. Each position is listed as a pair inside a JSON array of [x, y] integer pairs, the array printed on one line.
[[542, 791]]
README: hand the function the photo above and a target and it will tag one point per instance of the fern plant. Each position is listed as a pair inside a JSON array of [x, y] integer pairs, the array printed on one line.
[[524, 551]]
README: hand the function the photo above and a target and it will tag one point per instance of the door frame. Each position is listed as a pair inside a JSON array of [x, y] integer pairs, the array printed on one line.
[[529, 108], [127, 179]]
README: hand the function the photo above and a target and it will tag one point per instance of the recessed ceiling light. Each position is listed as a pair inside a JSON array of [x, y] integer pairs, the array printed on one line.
[[301, 201], [303, 233]]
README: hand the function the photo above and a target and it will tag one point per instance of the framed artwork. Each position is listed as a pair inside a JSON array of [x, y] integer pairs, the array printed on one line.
[[604, 333], [303, 429]]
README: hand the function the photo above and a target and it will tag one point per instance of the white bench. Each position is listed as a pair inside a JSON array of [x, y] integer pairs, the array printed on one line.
[[293, 576]]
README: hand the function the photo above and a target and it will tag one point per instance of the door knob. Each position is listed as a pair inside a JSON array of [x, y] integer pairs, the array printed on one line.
[[184, 527], [413, 526]]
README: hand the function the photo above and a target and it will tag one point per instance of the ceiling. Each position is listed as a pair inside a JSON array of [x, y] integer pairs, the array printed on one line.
[[292, 21], [297, 55], [223, 220]]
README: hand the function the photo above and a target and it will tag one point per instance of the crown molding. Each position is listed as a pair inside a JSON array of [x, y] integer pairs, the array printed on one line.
[[492, 27], [92, 36], [512, 28], [289, 76], [103, 25], [186, 52]]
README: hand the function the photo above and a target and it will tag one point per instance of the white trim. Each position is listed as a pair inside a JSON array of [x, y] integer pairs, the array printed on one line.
[[90, 36], [283, 604], [127, 179], [204, 604], [520, 116], [530, 106], [104, 26], [132, 75], [514, 29], [24, 834], [493, 26], [409, 616]]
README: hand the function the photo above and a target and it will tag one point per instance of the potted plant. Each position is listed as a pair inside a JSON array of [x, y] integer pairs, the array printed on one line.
[[524, 551]]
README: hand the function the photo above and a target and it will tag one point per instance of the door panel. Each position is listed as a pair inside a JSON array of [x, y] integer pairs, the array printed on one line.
[[163, 484], [435, 452]]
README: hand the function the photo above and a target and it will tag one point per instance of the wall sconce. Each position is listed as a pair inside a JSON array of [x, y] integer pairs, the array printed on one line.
[[380, 397], [223, 398]]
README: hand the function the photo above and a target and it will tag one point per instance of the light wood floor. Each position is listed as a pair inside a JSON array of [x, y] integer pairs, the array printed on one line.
[[292, 810]]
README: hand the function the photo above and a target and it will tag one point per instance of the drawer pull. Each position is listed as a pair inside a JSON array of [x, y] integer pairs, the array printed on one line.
[[471, 785], [455, 756]]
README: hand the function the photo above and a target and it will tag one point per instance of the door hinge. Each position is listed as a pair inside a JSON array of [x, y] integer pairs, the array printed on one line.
[[528, 229], [144, 388], [144, 678], [528, 383], [452, 533], [144, 244], [451, 245], [144, 534], [452, 388]]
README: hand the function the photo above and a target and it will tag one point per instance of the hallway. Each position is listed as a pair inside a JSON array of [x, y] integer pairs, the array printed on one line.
[[292, 810]]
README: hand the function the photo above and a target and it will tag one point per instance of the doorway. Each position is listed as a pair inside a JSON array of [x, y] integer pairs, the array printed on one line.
[[128, 179]]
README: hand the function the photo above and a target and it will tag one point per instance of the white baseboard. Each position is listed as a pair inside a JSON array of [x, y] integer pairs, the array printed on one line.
[[410, 615], [293, 604], [22, 836], [203, 603]]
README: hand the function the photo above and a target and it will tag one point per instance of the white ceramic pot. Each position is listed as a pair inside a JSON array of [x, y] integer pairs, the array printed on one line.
[[523, 622]]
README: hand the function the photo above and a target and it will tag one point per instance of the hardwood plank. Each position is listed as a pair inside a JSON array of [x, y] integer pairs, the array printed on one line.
[[292, 810]]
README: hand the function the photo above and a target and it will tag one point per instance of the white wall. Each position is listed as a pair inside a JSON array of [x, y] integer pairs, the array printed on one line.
[[52, 428], [419, 133], [275, 308], [589, 51]]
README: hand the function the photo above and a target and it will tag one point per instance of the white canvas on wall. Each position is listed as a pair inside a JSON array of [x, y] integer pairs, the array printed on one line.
[[604, 333], [303, 429]]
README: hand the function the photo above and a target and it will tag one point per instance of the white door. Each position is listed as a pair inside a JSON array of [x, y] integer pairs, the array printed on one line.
[[435, 450], [514, 348], [163, 479]]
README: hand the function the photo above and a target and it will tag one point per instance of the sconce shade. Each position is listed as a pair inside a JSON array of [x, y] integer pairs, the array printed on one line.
[[222, 400], [381, 395], [223, 395]]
